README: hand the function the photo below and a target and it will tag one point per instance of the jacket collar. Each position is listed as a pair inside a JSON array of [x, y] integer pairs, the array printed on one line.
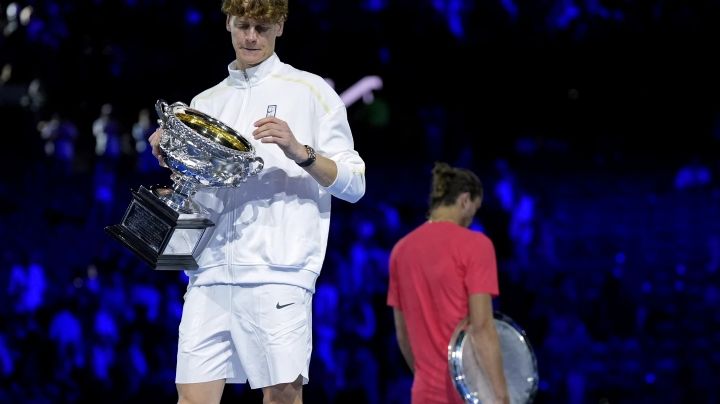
[[252, 75]]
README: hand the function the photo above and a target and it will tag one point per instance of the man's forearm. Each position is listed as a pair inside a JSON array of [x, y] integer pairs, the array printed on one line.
[[324, 170], [403, 340], [487, 349], [407, 354]]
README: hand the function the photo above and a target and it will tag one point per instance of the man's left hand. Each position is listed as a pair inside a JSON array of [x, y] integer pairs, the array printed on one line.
[[274, 130]]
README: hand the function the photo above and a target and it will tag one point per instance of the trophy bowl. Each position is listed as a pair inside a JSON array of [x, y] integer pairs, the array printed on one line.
[[201, 151], [163, 226]]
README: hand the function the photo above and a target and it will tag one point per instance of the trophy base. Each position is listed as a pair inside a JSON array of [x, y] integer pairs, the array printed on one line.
[[159, 235]]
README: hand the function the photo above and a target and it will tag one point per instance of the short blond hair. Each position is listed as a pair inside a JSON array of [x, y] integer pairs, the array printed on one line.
[[261, 10]]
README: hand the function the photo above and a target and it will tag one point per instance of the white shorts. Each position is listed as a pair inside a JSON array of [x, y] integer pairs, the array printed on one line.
[[256, 333]]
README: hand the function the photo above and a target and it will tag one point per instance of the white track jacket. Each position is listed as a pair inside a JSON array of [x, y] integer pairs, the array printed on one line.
[[274, 228]]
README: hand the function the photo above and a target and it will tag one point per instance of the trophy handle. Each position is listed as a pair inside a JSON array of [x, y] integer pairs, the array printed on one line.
[[161, 107], [164, 110], [259, 164]]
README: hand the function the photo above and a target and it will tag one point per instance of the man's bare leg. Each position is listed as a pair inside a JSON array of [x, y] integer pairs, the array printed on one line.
[[201, 393], [284, 393]]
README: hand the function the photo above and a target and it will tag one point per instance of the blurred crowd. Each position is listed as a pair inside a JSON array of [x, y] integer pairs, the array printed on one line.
[[609, 258]]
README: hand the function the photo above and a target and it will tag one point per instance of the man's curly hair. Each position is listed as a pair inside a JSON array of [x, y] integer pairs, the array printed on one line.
[[261, 10]]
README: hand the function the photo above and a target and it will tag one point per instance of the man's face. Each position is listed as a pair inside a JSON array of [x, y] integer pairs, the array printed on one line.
[[253, 41]]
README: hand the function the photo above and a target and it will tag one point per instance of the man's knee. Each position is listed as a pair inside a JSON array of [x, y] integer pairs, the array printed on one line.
[[200, 393], [284, 393]]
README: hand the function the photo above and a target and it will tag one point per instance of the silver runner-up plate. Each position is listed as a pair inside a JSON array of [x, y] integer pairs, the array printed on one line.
[[519, 363]]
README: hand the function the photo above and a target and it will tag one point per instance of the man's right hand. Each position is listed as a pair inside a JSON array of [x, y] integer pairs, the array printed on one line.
[[155, 144]]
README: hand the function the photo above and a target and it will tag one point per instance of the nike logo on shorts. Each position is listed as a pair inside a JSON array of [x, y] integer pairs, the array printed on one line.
[[278, 306]]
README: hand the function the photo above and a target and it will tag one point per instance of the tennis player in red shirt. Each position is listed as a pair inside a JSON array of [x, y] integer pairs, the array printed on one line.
[[440, 273]]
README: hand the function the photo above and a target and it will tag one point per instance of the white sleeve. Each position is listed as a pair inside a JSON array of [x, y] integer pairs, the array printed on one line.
[[336, 143]]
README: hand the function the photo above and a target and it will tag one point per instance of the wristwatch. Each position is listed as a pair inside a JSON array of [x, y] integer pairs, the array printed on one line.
[[311, 157]]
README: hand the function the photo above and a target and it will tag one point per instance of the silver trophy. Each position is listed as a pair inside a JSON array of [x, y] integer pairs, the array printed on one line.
[[519, 363], [164, 226]]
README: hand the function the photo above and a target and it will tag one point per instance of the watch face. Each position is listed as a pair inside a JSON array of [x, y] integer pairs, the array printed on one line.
[[311, 157], [311, 153]]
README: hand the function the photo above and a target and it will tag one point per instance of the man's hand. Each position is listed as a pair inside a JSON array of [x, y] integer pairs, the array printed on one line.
[[274, 130], [155, 144]]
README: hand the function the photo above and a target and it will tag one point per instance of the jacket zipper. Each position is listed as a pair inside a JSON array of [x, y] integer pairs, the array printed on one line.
[[230, 251]]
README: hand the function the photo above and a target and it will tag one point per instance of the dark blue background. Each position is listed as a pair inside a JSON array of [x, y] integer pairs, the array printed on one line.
[[593, 124]]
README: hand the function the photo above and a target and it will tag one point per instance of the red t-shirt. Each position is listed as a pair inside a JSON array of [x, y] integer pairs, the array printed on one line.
[[433, 271]]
